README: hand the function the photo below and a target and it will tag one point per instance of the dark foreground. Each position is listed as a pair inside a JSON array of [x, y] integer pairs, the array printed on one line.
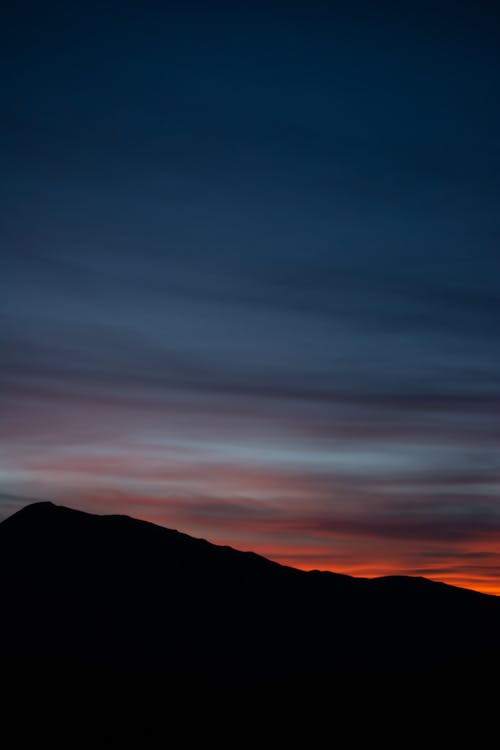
[[110, 595]]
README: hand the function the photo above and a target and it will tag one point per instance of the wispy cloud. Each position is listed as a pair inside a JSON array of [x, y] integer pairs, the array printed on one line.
[[255, 296]]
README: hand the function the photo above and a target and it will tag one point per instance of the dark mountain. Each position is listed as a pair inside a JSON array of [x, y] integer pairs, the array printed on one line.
[[111, 593]]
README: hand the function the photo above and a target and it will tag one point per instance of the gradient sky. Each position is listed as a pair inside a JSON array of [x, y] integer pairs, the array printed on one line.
[[250, 275]]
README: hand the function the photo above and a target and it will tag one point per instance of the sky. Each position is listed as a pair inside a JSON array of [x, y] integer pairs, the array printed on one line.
[[249, 275]]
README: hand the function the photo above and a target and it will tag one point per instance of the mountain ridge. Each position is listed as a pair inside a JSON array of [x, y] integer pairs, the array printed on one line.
[[46, 506], [121, 594]]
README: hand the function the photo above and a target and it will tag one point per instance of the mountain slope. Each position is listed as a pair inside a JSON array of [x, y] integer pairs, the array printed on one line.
[[115, 593]]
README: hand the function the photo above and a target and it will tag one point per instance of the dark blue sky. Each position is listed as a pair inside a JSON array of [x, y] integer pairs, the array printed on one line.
[[250, 274]]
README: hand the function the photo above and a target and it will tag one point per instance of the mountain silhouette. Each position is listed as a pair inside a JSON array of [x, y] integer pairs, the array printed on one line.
[[116, 594]]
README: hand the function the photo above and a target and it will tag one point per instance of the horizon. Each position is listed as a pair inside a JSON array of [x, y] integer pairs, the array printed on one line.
[[250, 279], [238, 549]]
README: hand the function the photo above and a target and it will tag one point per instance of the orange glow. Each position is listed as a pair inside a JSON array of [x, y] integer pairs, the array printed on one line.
[[483, 585], [277, 513], [356, 558]]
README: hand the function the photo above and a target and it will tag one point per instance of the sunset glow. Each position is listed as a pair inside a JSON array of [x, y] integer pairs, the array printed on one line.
[[250, 277]]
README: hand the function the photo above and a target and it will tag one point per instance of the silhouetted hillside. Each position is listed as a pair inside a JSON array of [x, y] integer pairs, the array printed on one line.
[[114, 593]]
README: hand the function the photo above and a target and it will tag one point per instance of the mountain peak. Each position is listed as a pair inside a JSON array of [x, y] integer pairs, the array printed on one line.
[[100, 587], [74, 532], [39, 505], [38, 508], [38, 511]]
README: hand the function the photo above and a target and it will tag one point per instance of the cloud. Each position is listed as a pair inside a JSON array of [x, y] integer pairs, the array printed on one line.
[[275, 324]]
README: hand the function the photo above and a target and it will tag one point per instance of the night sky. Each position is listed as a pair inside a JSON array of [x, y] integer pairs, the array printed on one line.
[[250, 276]]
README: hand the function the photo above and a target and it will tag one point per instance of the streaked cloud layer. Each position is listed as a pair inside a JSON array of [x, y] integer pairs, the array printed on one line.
[[249, 280]]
